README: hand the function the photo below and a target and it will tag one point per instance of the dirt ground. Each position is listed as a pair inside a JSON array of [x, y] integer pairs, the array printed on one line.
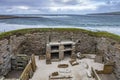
[[13, 74]]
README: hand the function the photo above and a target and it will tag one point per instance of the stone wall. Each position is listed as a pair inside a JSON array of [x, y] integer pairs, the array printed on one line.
[[5, 57], [110, 50], [36, 43]]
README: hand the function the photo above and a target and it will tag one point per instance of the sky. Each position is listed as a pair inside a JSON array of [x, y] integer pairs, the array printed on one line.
[[58, 6]]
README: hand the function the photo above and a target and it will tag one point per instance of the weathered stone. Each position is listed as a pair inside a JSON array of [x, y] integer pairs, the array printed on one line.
[[36, 43], [19, 62]]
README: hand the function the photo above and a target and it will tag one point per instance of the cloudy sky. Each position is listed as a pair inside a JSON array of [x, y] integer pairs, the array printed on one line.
[[58, 6]]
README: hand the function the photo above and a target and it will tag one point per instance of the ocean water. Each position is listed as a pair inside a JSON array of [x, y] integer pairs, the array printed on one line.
[[109, 23]]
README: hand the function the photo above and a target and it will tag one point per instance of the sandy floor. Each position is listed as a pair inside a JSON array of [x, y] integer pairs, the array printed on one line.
[[78, 72]]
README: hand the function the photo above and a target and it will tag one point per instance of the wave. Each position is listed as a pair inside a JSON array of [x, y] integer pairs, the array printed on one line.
[[114, 30], [55, 16], [8, 27]]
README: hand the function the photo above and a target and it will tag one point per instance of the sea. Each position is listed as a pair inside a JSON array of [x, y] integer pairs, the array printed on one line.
[[109, 23]]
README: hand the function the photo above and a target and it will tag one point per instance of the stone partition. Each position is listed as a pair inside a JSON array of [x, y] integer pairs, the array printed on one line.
[[95, 74]]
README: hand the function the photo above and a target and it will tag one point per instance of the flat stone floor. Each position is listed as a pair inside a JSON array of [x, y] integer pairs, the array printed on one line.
[[78, 72]]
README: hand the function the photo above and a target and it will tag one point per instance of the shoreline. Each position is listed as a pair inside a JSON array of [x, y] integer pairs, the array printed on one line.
[[10, 27]]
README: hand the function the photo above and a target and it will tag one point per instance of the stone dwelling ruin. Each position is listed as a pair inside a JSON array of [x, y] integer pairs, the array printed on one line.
[[52, 44]]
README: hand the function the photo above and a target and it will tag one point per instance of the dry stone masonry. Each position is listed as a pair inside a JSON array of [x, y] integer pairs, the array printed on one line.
[[36, 43]]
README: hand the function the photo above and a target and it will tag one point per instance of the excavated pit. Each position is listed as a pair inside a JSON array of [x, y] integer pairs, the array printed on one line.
[[36, 43]]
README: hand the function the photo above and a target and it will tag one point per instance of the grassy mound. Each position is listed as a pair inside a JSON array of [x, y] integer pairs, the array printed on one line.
[[33, 30]]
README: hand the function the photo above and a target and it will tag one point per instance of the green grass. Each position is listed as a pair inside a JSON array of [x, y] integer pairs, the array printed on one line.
[[33, 30]]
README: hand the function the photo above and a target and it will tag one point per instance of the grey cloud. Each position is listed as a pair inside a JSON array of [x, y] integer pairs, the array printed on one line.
[[24, 2], [42, 6], [70, 2]]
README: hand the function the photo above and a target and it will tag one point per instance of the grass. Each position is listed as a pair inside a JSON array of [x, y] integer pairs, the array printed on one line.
[[33, 30]]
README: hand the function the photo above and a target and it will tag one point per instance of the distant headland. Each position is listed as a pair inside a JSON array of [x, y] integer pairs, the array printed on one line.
[[14, 16], [107, 13], [7, 16]]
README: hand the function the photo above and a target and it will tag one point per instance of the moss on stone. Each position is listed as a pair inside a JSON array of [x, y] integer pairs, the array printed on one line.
[[33, 30]]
